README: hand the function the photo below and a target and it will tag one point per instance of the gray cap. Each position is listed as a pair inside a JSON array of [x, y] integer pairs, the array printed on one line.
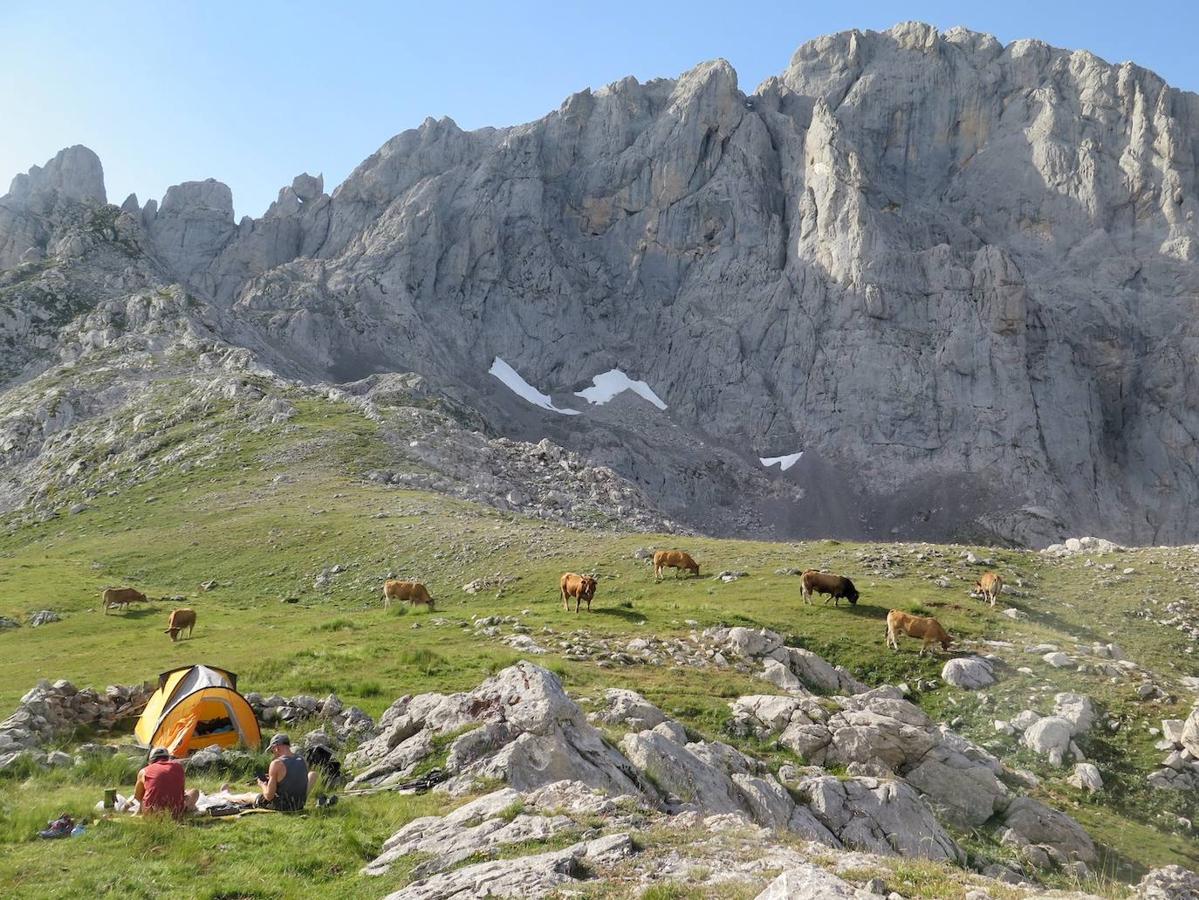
[[159, 753], [279, 739]]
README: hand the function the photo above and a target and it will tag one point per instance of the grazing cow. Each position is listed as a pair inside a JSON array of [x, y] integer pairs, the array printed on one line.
[[581, 587], [835, 586], [412, 592], [119, 598], [923, 628], [674, 559], [181, 619], [990, 586]]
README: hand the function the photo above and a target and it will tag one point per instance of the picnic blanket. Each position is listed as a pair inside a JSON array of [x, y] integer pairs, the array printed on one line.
[[219, 804]]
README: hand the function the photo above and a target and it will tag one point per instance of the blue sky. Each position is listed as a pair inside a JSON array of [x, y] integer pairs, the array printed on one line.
[[255, 92]]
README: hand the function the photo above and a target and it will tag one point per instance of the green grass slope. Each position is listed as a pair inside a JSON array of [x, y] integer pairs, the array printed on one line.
[[266, 513]]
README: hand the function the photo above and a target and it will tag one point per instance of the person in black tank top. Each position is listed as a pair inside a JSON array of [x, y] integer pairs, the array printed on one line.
[[285, 787]]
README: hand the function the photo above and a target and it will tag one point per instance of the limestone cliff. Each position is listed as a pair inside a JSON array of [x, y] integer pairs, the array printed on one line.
[[959, 276]]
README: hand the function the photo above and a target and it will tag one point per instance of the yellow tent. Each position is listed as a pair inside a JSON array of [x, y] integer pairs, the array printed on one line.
[[194, 707]]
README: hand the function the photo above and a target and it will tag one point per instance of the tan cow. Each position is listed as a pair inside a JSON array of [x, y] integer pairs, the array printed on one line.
[[923, 628], [181, 619], [835, 586], [412, 592], [119, 598], [674, 559], [990, 586], [581, 587]]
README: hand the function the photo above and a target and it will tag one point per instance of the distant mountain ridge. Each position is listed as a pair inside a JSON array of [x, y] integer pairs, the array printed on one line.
[[959, 277]]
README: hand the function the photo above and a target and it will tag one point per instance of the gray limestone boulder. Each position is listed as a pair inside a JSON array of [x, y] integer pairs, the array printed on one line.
[[526, 876], [1030, 823], [1049, 737], [628, 709], [1189, 738], [518, 726], [970, 673], [878, 816], [1076, 709], [1169, 883], [1086, 777], [808, 882]]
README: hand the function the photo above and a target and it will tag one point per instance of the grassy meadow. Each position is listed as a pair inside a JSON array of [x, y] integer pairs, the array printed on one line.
[[270, 511]]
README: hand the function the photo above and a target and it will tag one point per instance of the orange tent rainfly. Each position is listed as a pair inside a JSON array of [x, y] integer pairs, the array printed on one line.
[[196, 707]]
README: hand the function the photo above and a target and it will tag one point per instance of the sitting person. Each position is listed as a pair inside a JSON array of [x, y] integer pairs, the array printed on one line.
[[159, 786], [285, 787]]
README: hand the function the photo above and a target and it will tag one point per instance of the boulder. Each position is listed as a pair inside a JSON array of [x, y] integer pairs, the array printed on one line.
[[969, 673], [808, 882], [1189, 738], [1030, 823], [750, 643], [628, 709], [1075, 709], [525, 876], [878, 816], [689, 781], [1049, 737], [1169, 883], [816, 673], [479, 827], [1172, 730], [526, 731], [1086, 776]]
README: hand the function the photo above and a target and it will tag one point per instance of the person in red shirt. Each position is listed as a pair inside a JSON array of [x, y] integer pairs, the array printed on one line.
[[159, 786]]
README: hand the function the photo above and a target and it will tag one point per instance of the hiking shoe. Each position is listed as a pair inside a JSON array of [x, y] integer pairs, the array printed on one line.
[[59, 828]]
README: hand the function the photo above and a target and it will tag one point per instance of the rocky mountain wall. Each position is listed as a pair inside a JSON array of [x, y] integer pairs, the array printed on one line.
[[959, 276]]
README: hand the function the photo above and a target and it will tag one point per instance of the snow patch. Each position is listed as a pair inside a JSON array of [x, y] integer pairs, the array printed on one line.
[[784, 462], [511, 378], [608, 384]]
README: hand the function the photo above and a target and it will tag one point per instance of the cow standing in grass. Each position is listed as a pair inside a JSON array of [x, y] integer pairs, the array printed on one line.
[[119, 598], [674, 559], [581, 587], [835, 586], [412, 592], [923, 628], [990, 586], [179, 620]]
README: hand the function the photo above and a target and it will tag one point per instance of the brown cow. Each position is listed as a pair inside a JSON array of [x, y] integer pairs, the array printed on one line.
[[924, 628], [412, 592], [835, 586], [581, 587], [990, 586], [119, 598], [674, 559], [181, 619]]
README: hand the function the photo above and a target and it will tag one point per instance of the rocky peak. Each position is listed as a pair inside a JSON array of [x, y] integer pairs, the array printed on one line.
[[73, 174]]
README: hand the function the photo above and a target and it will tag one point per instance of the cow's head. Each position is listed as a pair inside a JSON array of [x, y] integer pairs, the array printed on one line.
[[432, 602], [173, 632], [946, 640], [852, 594], [589, 585]]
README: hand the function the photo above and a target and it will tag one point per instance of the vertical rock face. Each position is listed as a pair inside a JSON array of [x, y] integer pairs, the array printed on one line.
[[73, 177], [74, 174], [957, 275]]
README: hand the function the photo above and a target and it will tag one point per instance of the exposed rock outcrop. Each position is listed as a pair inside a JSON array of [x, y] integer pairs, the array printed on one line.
[[941, 209]]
